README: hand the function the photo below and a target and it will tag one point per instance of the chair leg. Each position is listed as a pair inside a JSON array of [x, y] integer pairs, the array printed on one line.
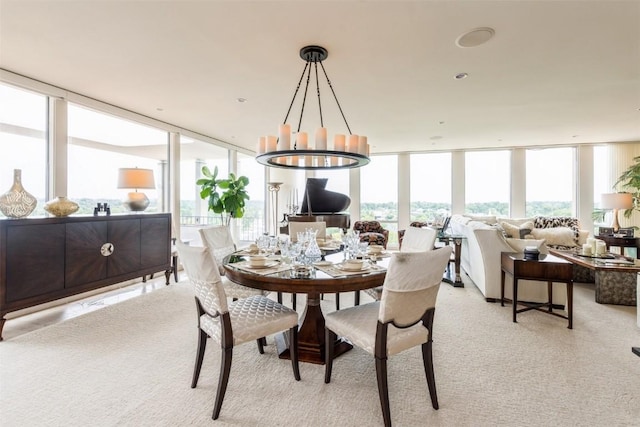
[[260, 345], [329, 340], [279, 297], [356, 298], [383, 389], [337, 301], [427, 358], [202, 344], [293, 301], [293, 351], [225, 369]]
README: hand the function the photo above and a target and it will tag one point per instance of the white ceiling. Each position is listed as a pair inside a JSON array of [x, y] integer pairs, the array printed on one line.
[[556, 72]]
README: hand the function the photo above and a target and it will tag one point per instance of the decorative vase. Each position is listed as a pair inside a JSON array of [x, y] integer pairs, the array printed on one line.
[[61, 206], [17, 202]]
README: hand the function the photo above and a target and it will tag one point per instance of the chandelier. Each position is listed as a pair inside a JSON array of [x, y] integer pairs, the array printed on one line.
[[350, 151]]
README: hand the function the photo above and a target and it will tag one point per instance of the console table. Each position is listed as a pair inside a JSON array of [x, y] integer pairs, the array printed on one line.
[[622, 242], [45, 259]]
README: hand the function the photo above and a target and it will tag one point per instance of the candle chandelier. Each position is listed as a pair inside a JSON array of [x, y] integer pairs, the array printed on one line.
[[350, 151]]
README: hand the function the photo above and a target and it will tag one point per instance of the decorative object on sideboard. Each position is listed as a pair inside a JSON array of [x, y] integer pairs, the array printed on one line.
[[101, 207], [350, 151], [616, 201], [134, 178], [61, 206], [17, 202]]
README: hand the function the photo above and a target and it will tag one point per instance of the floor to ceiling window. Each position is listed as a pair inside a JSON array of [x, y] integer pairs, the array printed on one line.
[[550, 184], [253, 223], [379, 193], [100, 144], [430, 186], [487, 182], [194, 155], [23, 141]]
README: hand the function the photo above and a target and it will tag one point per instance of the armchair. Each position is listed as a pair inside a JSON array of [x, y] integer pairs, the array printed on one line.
[[372, 232]]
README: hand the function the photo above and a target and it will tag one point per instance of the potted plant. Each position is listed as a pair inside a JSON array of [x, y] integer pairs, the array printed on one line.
[[630, 181], [230, 201]]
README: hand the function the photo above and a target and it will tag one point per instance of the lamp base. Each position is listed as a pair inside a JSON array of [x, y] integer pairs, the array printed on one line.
[[136, 202]]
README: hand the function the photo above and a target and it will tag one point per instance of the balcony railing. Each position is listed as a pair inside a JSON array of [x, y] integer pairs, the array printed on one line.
[[249, 228]]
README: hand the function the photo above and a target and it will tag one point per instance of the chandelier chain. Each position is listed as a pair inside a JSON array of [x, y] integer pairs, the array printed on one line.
[[318, 90], [335, 97], [295, 94]]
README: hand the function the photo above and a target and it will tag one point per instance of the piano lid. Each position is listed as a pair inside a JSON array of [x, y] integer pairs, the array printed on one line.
[[318, 200]]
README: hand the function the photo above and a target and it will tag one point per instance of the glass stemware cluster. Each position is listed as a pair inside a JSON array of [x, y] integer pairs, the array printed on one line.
[[353, 247]]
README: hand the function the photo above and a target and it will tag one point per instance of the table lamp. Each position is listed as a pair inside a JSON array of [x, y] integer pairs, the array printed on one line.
[[134, 178], [616, 201]]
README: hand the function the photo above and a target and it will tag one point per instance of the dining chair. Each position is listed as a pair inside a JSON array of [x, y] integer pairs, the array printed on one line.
[[220, 243], [418, 239], [231, 324], [296, 227], [402, 319], [415, 240]]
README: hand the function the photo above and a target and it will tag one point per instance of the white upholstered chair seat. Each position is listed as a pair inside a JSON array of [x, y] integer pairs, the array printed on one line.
[[358, 324], [252, 318]]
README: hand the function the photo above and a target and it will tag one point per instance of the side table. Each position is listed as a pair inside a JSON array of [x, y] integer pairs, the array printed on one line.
[[547, 268], [447, 239]]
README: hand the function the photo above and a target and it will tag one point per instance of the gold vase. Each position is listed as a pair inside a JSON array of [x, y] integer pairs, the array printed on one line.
[[61, 206], [17, 202]]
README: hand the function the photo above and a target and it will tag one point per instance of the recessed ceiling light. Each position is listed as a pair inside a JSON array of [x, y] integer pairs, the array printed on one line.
[[435, 138], [241, 100], [159, 109], [475, 37], [461, 76]]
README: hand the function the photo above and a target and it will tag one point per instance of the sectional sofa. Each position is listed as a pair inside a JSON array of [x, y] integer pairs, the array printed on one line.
[[487, 237]]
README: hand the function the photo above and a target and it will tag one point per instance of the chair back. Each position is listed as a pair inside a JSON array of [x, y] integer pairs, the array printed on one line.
[[368, 227], [202, 271], [296, 227], [219, 241], [411, 285], [418, 239]]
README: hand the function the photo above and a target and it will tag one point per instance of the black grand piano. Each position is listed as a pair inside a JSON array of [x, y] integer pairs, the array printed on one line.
[[320, 204]]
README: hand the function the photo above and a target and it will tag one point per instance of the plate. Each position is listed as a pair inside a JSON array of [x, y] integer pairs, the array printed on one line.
[[267, 265], [321, 263], [344, 267]]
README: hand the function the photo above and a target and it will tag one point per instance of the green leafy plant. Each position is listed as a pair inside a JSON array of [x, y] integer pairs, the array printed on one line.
[[630, 181], [224, 196]]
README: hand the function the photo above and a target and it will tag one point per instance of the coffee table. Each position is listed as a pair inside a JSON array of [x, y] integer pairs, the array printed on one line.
[[547, 268], [614, 283]]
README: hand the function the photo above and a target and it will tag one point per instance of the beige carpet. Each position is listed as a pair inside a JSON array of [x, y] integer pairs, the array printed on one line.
[[130, 364]]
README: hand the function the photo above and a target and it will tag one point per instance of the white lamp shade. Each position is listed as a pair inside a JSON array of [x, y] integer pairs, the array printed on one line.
[[136, 178], [616, 201]]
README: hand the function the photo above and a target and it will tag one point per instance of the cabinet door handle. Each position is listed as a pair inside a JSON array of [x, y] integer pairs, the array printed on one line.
[[106, 249]]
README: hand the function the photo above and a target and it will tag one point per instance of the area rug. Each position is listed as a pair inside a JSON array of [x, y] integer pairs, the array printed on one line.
[[130, 364]]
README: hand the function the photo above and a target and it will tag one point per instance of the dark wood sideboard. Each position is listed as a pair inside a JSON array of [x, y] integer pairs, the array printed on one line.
[[44, 259]]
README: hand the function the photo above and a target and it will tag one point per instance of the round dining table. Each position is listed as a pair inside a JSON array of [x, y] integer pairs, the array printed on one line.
[[311, 334]]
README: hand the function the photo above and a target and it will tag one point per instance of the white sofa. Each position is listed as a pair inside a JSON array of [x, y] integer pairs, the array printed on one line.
[[481, 253]]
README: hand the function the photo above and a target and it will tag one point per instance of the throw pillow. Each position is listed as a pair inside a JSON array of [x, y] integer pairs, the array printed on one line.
[[558, 236], [518, 232]]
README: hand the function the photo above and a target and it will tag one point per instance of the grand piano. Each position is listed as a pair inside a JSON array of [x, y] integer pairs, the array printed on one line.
[[320, 204]]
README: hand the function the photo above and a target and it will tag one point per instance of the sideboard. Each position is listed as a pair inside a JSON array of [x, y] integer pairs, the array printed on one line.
[[45, 259]]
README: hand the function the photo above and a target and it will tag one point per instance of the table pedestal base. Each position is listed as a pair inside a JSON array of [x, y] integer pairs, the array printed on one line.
[[311, 344]]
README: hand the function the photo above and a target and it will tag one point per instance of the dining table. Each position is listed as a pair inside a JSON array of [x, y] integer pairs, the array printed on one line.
[[327, 276]]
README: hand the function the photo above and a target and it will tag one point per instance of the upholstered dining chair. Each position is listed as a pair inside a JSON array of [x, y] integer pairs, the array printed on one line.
[[419, 239], [416, 240], [296, 227], [372, 232], [417, 224], [220, 243], [402, 319], [231, 324]]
